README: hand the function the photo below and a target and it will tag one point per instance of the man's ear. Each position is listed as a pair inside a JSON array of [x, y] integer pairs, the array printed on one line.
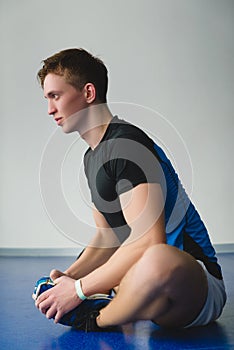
[[90, 92]]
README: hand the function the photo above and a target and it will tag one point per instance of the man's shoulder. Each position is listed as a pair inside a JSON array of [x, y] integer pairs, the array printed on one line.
[[120, 135], [121, 128]]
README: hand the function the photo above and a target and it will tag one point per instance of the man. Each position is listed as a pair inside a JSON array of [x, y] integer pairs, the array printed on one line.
[[150, 243]]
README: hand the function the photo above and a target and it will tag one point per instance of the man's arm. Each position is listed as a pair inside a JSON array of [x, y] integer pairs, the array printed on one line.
[[143, 211], [99, 250]]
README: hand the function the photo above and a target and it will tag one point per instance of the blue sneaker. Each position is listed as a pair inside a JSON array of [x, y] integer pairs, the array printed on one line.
[[41, 286], [83, 317]]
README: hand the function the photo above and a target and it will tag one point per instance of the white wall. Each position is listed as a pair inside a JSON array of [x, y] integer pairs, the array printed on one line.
[[172, 56]]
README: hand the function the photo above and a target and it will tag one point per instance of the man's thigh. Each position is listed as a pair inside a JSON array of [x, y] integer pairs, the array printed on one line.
[[166, 285]]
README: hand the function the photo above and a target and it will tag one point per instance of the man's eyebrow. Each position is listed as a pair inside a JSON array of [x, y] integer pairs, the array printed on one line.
[[51, 93]]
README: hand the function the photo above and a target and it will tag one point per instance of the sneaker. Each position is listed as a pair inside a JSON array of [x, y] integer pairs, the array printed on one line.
[[41, 286], [83, 317]]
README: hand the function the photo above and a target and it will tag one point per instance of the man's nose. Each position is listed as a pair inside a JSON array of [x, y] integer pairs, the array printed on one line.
[[51, 108]]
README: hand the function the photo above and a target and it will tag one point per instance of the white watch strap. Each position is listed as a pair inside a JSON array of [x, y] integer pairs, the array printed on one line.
[[79, 290]]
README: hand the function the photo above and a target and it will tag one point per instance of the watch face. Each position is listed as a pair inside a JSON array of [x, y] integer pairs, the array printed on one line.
[[41, 286]]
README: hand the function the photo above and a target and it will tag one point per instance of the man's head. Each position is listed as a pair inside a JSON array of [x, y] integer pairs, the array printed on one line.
[[78, 67]]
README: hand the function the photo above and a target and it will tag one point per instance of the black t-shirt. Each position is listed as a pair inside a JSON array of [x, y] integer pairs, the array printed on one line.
[[127, 157], [123, 159]]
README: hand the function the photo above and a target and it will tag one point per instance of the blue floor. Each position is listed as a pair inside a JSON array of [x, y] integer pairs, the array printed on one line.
[[22, 327]]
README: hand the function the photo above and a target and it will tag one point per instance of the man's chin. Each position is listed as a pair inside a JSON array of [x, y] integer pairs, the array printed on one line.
[[67, 130], [68, 127], [76, 122]]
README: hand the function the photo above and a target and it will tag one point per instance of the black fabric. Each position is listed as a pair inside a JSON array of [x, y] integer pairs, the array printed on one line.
[[124, 158], [191, 247]]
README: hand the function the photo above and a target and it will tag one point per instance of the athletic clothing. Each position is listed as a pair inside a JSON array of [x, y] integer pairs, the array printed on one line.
[[127, 157], [215, 301]]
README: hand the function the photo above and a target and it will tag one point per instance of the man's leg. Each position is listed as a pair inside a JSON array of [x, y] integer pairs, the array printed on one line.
[[166, 285]]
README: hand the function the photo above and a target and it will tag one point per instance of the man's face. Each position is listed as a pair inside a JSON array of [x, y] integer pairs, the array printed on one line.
[[64, 101]]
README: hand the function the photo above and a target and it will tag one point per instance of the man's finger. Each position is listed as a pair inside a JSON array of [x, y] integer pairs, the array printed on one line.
[[54, 274], [51, 312], [40, 299], [58, 316]]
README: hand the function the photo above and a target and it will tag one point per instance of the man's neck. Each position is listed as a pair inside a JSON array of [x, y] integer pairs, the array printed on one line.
[[98, 119]]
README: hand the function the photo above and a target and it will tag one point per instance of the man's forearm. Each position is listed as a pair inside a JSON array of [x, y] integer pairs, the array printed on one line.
[[90, 260], [110, 274], [101, 248]]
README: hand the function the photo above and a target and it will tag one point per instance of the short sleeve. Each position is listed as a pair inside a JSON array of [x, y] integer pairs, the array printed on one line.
[[131, 164]]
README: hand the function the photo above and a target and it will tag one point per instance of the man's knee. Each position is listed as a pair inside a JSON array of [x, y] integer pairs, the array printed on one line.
[[167, 268], [157, 265]]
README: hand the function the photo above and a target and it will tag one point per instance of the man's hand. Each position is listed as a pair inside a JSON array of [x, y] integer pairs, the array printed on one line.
[[59, 300], [54, 274]]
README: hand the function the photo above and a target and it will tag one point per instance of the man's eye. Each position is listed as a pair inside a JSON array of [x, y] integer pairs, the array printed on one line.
[[55, 96]]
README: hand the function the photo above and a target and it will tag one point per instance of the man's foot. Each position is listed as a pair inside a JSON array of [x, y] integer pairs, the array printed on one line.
[[43, 284], [83, 317]]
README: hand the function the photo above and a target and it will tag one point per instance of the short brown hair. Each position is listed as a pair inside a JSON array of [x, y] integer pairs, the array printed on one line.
[[79, 67]]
